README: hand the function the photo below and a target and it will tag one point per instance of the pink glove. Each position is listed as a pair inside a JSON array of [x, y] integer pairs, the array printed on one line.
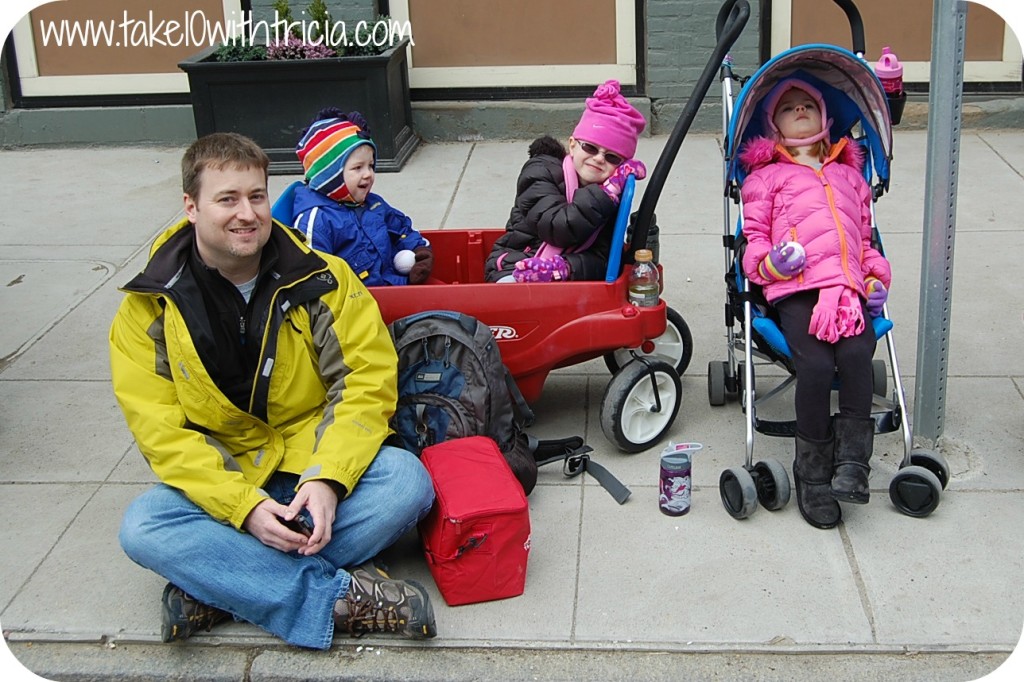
[[614, 185], [534, 269], [877, 296], [784, 261], [824, 316]]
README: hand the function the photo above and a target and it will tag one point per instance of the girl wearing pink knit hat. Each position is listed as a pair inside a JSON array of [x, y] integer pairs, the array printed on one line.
[[561, 224], [807, 221]]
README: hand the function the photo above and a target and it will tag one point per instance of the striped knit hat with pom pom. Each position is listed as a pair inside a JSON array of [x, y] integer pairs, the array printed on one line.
[[323, 151]]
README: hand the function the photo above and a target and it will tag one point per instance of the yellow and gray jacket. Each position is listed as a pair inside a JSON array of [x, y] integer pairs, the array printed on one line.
[[320, 402]]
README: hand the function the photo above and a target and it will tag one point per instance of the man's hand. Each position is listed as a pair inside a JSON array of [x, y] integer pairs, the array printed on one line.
[[322, 502], [266, 520], [264, 523]]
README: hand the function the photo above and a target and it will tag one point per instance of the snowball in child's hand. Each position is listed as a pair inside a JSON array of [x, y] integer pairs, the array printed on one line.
[[404, 260], [798, 251]]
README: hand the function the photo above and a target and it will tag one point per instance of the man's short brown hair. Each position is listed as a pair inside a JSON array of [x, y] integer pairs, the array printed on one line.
[[219, 150]]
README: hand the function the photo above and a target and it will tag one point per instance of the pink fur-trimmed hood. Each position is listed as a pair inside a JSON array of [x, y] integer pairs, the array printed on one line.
[[760, 151]]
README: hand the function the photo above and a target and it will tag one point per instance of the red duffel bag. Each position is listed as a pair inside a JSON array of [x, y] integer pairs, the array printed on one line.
[[477, 536]]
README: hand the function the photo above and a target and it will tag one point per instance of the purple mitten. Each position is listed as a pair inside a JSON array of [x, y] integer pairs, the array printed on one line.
[[877, 296], [824, 316], [634, 166], [784, 261], [554, 269], [615, 183]]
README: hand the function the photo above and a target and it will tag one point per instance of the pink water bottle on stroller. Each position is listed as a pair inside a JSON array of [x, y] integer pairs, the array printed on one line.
[[890, 73]]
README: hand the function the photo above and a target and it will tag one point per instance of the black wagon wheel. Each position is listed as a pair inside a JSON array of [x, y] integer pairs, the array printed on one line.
[[640, 404]]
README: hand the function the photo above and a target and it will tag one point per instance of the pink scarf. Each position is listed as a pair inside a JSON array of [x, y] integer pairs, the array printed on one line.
[[837, 314]]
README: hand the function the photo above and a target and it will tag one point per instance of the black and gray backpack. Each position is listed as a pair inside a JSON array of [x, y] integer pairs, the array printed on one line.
[[453, 384]]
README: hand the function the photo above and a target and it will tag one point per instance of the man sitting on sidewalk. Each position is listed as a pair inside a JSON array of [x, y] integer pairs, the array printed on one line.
[[257, 378]]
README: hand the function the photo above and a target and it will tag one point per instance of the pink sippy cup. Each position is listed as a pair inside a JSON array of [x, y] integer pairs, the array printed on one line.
[[890, 72]]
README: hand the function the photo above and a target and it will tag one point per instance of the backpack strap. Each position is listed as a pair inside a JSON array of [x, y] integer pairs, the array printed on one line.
[[575, 457], [523, 416]]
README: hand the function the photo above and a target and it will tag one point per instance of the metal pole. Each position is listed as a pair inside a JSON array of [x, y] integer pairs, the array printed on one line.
[[945, 100]]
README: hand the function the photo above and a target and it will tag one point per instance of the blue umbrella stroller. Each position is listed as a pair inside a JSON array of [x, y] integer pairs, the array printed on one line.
[[856, 101]]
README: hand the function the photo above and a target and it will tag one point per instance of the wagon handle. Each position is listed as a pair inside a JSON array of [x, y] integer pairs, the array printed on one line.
[[724, 14], [738, 14], [856, 24]]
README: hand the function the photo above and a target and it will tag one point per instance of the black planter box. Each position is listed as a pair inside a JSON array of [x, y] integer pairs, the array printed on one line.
[[272, 101]]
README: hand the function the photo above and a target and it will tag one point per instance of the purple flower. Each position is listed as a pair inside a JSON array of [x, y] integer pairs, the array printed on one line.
[[295, 48]]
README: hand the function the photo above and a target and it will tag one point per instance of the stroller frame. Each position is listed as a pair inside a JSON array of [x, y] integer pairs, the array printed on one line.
[[915, 489]]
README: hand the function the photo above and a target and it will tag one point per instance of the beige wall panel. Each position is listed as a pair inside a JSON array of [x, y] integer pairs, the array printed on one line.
[[522, 33], [893, 23], [92, 59]]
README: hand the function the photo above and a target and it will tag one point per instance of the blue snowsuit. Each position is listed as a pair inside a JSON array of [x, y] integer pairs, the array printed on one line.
[[367, 236]]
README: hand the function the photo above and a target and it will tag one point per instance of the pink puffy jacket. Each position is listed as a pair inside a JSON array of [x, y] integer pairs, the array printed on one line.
[[826, 210]]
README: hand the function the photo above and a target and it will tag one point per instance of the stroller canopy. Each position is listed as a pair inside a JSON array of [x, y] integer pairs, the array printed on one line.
[[852, 93]]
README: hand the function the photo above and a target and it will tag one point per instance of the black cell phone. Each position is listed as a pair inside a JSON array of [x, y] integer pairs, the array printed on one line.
[[300, 525]]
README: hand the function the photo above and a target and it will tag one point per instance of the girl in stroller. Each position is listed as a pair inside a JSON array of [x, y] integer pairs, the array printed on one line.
[[807, 222]]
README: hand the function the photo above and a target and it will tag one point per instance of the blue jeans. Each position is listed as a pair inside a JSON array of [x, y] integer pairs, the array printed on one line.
[[289, 595]]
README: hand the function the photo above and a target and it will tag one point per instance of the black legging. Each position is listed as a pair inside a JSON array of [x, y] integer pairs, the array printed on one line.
[[816, 363]]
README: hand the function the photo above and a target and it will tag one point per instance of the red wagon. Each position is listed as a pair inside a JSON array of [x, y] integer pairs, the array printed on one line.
[[540, 327]]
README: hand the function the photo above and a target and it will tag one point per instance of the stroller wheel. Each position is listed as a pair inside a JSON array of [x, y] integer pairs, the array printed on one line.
[[933, 462], [716, 382], [739, 494], [879, 377], [915, 491], [772, 484], [629, 414], [675, 346]]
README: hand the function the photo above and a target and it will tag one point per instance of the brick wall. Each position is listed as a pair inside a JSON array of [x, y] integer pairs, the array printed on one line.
[[341, 10], [680, 38]]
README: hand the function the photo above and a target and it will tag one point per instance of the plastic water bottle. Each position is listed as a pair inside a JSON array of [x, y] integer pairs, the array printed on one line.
[[890, 72], [674, 483], [644, 290]]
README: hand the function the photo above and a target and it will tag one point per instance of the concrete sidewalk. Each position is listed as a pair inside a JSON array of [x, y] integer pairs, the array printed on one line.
[[613, 592]]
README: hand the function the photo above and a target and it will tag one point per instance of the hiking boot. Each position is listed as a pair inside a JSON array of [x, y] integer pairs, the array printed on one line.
[[183, 615], [375, 603]]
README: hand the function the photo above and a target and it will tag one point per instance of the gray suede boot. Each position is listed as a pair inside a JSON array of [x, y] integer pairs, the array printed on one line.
[[855, 442], [812, 472]]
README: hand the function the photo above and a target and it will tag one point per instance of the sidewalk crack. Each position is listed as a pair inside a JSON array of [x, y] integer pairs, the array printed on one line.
[[858, 580], [458, 185]]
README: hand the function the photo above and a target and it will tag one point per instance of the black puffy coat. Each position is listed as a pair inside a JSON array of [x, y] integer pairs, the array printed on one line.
[[541, 214]]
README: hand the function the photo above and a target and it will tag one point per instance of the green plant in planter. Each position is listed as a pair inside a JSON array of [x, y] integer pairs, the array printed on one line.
[[238, 50], [321, 17], [314, 45], [360, 41]]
